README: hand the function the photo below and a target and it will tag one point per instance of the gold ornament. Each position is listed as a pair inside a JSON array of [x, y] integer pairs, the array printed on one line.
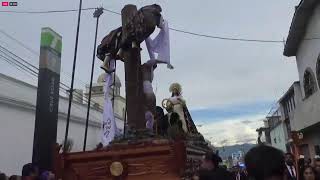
[[167, 104], [176, 86], [116, 169]]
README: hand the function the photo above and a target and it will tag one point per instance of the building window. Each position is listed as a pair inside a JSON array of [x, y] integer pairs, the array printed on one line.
[[294, 103], [318, 70], [123, 113], [285, 109], [118, 91], [309, 83]]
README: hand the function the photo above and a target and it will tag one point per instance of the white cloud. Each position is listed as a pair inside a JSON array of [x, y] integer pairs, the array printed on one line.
[[232, 131]]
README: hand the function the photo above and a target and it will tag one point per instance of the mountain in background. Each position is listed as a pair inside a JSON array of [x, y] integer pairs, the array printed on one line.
[[226, 151]]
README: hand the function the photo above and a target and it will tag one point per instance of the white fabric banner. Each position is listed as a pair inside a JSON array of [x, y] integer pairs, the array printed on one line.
[[109, 127], [160, 44]]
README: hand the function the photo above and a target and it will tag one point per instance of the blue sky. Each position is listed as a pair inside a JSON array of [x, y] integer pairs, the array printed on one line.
[[203, 116], [233, 124]]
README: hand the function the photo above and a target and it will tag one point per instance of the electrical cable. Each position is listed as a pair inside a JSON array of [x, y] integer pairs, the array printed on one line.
[[26, 70], [37, 54], [36, 70], [173, 29]]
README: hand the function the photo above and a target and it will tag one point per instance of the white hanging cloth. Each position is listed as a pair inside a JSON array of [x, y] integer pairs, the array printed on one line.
[[109, 124], [160, 45]]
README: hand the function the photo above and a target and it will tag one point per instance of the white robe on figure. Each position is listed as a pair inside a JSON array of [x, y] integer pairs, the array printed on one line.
[[178, 108], [109, 127]]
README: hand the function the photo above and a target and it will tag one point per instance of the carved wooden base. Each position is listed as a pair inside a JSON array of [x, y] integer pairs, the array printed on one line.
[[156, 160]]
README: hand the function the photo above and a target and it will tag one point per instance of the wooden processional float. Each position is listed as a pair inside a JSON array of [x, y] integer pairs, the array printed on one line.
[[139, 154]]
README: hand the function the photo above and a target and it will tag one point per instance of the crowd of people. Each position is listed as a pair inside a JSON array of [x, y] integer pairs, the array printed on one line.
[[261, 163], [30, 172]]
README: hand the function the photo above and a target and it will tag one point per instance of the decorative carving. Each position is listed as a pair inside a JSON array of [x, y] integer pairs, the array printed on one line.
[[167, 104], [116, 169], [156, 158], [147, 168]]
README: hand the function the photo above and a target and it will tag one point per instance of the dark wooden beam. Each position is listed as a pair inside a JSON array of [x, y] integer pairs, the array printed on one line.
[[132, 63]]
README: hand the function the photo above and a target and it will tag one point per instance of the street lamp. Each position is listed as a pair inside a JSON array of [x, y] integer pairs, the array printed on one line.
[[72, 77], [96, 14]]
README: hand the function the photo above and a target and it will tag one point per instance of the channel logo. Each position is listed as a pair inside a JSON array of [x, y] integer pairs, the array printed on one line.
[[6, 3]]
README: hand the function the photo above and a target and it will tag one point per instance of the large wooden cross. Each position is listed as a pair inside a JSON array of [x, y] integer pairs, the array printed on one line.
[[133, 76]]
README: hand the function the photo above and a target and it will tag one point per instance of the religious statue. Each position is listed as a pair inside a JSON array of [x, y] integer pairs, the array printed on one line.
[[147, 70], [123, 44], [178, 105], [140, 26], [109, 48]]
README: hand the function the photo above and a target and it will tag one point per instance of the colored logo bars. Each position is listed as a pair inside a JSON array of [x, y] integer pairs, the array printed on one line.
[[6, 3]]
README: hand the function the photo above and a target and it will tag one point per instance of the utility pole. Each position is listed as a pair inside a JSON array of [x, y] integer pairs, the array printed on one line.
[[97, 13], [72, 78]]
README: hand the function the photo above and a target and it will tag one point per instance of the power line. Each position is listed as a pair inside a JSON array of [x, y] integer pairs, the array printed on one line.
[[35, 70], [17, 66], [23, 68], [173, 29], [226, 38], [19, 42], [54, 11], [273, 106], [36, 53], [44, 12], [111, 11]]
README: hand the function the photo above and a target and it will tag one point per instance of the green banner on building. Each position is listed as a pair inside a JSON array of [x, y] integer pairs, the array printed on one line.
[[47, 108]]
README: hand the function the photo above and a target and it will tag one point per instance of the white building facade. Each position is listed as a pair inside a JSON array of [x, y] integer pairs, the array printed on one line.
[[278, 130], [237, 157], [275, 131], [303, 42], [17, 110]]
